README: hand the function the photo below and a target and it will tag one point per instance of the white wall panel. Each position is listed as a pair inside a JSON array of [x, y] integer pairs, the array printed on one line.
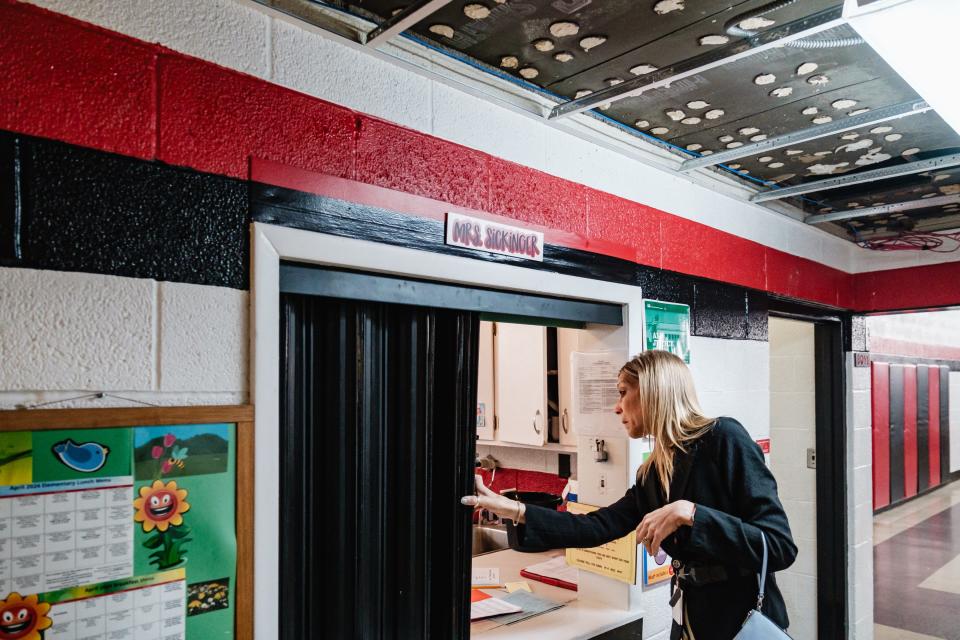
[[75, 331], [954, 421]]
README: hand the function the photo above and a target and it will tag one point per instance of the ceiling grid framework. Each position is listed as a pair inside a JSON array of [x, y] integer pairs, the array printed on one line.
[[785, 115]]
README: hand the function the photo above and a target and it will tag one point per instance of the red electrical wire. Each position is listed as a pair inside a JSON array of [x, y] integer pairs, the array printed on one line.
[[938, 242]]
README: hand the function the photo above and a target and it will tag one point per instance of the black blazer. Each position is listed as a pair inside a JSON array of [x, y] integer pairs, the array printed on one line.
[[724, 474]]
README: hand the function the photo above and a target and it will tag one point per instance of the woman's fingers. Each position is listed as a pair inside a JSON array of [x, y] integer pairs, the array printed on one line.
[[470, 501]]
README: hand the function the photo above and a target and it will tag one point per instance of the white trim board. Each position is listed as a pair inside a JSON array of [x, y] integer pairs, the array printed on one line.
[[271, 244]]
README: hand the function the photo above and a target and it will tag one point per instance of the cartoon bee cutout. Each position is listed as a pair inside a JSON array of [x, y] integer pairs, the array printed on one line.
[[177, 456]]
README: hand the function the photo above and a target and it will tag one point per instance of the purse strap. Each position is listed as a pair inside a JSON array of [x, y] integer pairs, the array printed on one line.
[[762, 576]]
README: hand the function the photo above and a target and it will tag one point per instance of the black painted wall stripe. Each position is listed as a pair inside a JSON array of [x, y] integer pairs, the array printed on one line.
[[944, 424], [897, 489], [90, 211], [923, 428]]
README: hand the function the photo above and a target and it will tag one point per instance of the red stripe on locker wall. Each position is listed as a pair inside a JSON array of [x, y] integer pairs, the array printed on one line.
[[934, 439], [880, 373], [910, 471]]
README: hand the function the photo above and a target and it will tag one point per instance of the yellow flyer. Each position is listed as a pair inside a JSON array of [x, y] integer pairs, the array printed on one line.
[[617, 559]]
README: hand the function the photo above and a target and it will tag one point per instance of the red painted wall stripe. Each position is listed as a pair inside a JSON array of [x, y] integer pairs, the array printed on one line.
[[71, 81], [880, 384], [910, 471], [934, 439]]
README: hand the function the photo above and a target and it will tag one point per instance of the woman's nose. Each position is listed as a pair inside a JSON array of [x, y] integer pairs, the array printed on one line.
[[617, 410]]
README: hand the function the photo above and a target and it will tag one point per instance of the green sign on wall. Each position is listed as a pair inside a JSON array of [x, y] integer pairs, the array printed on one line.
[[667, 327]]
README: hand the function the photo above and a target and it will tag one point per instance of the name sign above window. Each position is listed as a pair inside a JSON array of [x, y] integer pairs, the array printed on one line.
[[483, 235]]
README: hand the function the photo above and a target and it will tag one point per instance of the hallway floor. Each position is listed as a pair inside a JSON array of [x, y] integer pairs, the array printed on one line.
[[916, 557]]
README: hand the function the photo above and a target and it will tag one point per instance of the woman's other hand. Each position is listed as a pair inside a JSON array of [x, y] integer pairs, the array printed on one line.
[[659, 524], [494, 502]]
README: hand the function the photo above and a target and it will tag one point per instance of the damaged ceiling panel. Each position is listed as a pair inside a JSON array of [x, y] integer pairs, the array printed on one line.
[[573, 48]]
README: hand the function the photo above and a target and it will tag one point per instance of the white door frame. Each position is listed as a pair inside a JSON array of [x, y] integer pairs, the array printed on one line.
[[271, 244]]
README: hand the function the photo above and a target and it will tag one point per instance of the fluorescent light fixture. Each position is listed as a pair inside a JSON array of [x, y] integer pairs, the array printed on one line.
[[918, 38]]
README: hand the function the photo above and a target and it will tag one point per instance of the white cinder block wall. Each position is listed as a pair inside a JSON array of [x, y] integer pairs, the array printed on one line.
[[66, 335], [792, 432], [940, 328]]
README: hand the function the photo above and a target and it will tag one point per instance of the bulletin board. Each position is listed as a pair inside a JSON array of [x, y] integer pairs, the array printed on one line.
[[126, 523]]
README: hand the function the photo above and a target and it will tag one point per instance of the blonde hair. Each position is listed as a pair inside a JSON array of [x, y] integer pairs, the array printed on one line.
[[669, 409]]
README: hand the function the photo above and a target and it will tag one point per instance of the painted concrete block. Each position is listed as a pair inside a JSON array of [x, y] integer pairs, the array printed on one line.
[[550, 201], [75, 331], [309, 62], [221, 31], [468, 120], [203, 338], [65, 81]]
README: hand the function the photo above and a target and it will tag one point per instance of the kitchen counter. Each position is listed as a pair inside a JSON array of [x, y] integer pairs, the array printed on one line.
[[578, 619]]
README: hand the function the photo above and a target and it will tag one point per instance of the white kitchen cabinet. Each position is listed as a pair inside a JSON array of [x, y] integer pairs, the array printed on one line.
[[520, 355], [566, 345], [486, 406]]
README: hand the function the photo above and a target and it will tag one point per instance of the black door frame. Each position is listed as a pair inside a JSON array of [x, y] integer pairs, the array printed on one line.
[[830, 329]]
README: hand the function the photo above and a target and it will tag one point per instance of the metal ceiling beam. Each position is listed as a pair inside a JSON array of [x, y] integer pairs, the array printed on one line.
[[885, 209], [403, 21], [769, 39], [876, 116], [941, 162]]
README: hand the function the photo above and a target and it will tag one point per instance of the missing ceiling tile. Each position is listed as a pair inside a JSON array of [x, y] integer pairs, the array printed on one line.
[[843, 103], [826, 169], [893, 137], [866, 143], [564, 29], [543, 44], [642, 69], [764, 159], [442, 30], [591, 42], [758, 22], [666, 6], [706, 41], [476, 11]]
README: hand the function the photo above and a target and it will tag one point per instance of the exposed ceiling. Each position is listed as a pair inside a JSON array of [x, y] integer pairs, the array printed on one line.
[[574, 48]]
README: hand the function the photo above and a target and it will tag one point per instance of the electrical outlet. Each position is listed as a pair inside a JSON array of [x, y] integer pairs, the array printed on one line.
[[603, 484]]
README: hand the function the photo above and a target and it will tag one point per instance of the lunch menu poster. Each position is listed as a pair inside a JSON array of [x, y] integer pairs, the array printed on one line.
[[120, 533]]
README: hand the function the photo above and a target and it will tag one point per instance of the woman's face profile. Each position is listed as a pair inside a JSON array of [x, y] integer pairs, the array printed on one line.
[[628, 406]]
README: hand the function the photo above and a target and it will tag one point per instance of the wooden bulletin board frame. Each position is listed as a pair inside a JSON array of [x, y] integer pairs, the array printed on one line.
[[241, 415]]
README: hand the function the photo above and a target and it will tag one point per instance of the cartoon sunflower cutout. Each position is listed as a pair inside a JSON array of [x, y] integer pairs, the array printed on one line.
[[23, 618], [160, 506]]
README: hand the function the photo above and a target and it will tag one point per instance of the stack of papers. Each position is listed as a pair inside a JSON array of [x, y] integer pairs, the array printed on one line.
[[486, 606], [554, 571]]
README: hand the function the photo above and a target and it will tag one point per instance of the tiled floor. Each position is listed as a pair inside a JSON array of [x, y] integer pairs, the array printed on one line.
[[916, 559]]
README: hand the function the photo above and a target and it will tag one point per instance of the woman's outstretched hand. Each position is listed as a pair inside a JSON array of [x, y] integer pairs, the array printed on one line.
[[494, 502], [659, 524]]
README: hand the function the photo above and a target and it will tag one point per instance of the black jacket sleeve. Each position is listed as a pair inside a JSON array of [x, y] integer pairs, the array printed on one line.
[[549, 529], [735, 539]]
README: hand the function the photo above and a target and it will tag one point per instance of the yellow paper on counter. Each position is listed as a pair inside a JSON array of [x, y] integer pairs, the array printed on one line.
[[518, 586], [617, 559]]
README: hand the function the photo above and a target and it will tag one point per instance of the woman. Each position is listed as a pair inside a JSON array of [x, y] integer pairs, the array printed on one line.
[[704, 494]]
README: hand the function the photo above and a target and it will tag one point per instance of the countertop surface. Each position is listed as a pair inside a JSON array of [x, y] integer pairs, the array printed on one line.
[[578, 619]]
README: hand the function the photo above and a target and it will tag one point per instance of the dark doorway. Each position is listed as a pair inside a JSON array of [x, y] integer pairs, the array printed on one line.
[[376, 437]]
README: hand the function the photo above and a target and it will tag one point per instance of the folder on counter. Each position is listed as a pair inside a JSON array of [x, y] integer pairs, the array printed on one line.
[[554, 571], [483, 605]]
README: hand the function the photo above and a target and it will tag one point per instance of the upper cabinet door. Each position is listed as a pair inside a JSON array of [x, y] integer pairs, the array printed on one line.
[[486, 409], [566, 345], [521, 383]]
